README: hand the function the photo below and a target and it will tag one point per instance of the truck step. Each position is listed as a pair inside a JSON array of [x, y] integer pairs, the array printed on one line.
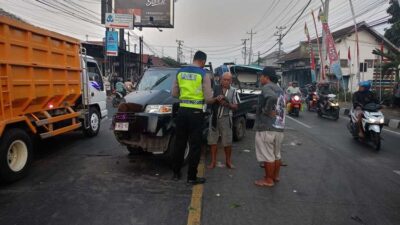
[[60, 131], [57, 119]]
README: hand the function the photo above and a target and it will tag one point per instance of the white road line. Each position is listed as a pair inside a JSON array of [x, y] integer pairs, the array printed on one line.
[[396, 172], [299, 122], [393, 132]]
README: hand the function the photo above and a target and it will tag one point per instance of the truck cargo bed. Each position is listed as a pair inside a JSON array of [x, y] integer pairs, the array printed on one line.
[[39, 70]]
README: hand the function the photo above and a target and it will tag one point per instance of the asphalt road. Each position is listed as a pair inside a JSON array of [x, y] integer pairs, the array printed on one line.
[[330, 179]]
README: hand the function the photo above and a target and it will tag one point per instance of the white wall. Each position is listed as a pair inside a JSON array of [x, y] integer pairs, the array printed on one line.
[[367, 43]]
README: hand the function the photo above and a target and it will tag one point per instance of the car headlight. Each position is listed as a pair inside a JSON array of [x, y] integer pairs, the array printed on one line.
[[382, 121], [372, 120], [296, 98], [159, 109]]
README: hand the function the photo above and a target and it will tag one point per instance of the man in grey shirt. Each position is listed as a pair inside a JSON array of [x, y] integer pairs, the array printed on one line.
[[269, 126], [221, 120]]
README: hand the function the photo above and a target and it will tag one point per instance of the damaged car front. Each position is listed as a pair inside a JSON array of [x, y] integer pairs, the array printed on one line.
[[145, 121]]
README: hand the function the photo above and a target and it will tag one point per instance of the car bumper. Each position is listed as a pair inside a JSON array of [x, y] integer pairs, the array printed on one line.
[[150, 132]]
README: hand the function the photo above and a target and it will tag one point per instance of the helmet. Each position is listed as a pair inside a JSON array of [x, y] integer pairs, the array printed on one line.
[[365, 84]]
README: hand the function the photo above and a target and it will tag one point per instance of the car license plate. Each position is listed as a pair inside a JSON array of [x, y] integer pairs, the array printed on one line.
[[121, 126], [296, 106]]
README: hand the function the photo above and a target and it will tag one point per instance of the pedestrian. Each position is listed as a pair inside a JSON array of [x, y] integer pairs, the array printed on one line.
[[269, 126], [221, 119], [193, 88]]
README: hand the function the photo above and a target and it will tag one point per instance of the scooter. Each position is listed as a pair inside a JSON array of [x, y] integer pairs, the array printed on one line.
[[329, 108], [294, 105], [372, 123], [118, 98], [312, 102]]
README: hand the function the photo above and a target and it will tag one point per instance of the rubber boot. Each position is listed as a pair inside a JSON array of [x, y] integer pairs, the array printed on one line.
[[228, 157], [270, 171], [213, 149], [268, 179], [277, 169]]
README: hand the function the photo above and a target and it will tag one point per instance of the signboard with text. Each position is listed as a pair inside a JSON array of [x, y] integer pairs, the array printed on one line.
[[112, 43], [148, 13], [119, 21]]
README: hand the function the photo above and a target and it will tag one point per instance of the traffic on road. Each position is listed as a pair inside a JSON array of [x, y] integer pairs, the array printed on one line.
[[94, 132]]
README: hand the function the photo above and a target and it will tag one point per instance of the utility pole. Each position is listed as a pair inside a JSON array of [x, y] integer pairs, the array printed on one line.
[[191, 53], [326, 14], [129, 42], [278, 33], [245, 49], [179, 50], [259, 59], [357, 43], [251, 44]]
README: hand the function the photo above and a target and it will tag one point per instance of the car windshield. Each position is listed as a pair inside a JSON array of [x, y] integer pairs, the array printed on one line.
[[157, 79]]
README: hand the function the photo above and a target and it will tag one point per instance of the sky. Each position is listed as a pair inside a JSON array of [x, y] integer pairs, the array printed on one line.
[[213, 26]]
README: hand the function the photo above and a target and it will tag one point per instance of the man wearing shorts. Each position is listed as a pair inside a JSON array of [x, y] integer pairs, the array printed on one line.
[[221, 119], [269, 126]]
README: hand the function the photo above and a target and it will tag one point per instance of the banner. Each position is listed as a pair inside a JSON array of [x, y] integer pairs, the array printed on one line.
[[332, 53], [148, 13], [112, 43], [312, 57]]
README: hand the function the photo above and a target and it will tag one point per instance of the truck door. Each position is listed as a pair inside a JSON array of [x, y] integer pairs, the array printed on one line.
[[97, 93]]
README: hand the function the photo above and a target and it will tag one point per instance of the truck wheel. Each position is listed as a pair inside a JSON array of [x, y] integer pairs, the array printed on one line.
[[169, 154], [239, 129], [94, 123], [16, 152]]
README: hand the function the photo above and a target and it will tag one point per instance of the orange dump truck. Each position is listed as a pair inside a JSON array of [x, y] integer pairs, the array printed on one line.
[[48, 87]]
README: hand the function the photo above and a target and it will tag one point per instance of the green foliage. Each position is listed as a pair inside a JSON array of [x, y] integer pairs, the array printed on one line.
[[392, 65], [171, 62], [393, 32]]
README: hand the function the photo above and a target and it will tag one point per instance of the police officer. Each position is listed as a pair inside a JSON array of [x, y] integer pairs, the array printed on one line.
[[193, 88]]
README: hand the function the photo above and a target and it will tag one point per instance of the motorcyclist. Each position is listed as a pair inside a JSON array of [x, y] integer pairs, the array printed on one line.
[[323, 92], [120, 87], [128, 85], [311, 89], [294, 89], [361, 98]]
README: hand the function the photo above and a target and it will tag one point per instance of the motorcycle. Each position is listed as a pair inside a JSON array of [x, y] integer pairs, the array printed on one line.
[[118, 98], [329, 108], [372, 123], [312, 101], [294, 105]]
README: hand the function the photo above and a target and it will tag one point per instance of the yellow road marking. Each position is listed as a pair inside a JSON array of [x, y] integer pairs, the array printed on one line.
[[194, 217]]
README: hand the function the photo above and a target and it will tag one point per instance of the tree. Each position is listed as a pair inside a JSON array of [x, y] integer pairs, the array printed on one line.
[[171, 62], [393, 32], [392, 65]]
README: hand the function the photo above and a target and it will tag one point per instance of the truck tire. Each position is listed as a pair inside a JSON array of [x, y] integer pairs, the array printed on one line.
[[94, 123], [169, 154], [239, 128], [16, 150]]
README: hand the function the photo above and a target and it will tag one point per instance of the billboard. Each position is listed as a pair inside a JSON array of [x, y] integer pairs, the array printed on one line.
[[112, 43], [148, 13], [119, 21]]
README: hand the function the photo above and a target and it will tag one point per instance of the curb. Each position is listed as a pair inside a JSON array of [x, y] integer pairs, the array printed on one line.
[[392, 123]]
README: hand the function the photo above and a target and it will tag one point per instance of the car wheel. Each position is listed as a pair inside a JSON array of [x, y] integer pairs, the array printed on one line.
[[170, 153], [239, 128], [16, 150], [134, 150]]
